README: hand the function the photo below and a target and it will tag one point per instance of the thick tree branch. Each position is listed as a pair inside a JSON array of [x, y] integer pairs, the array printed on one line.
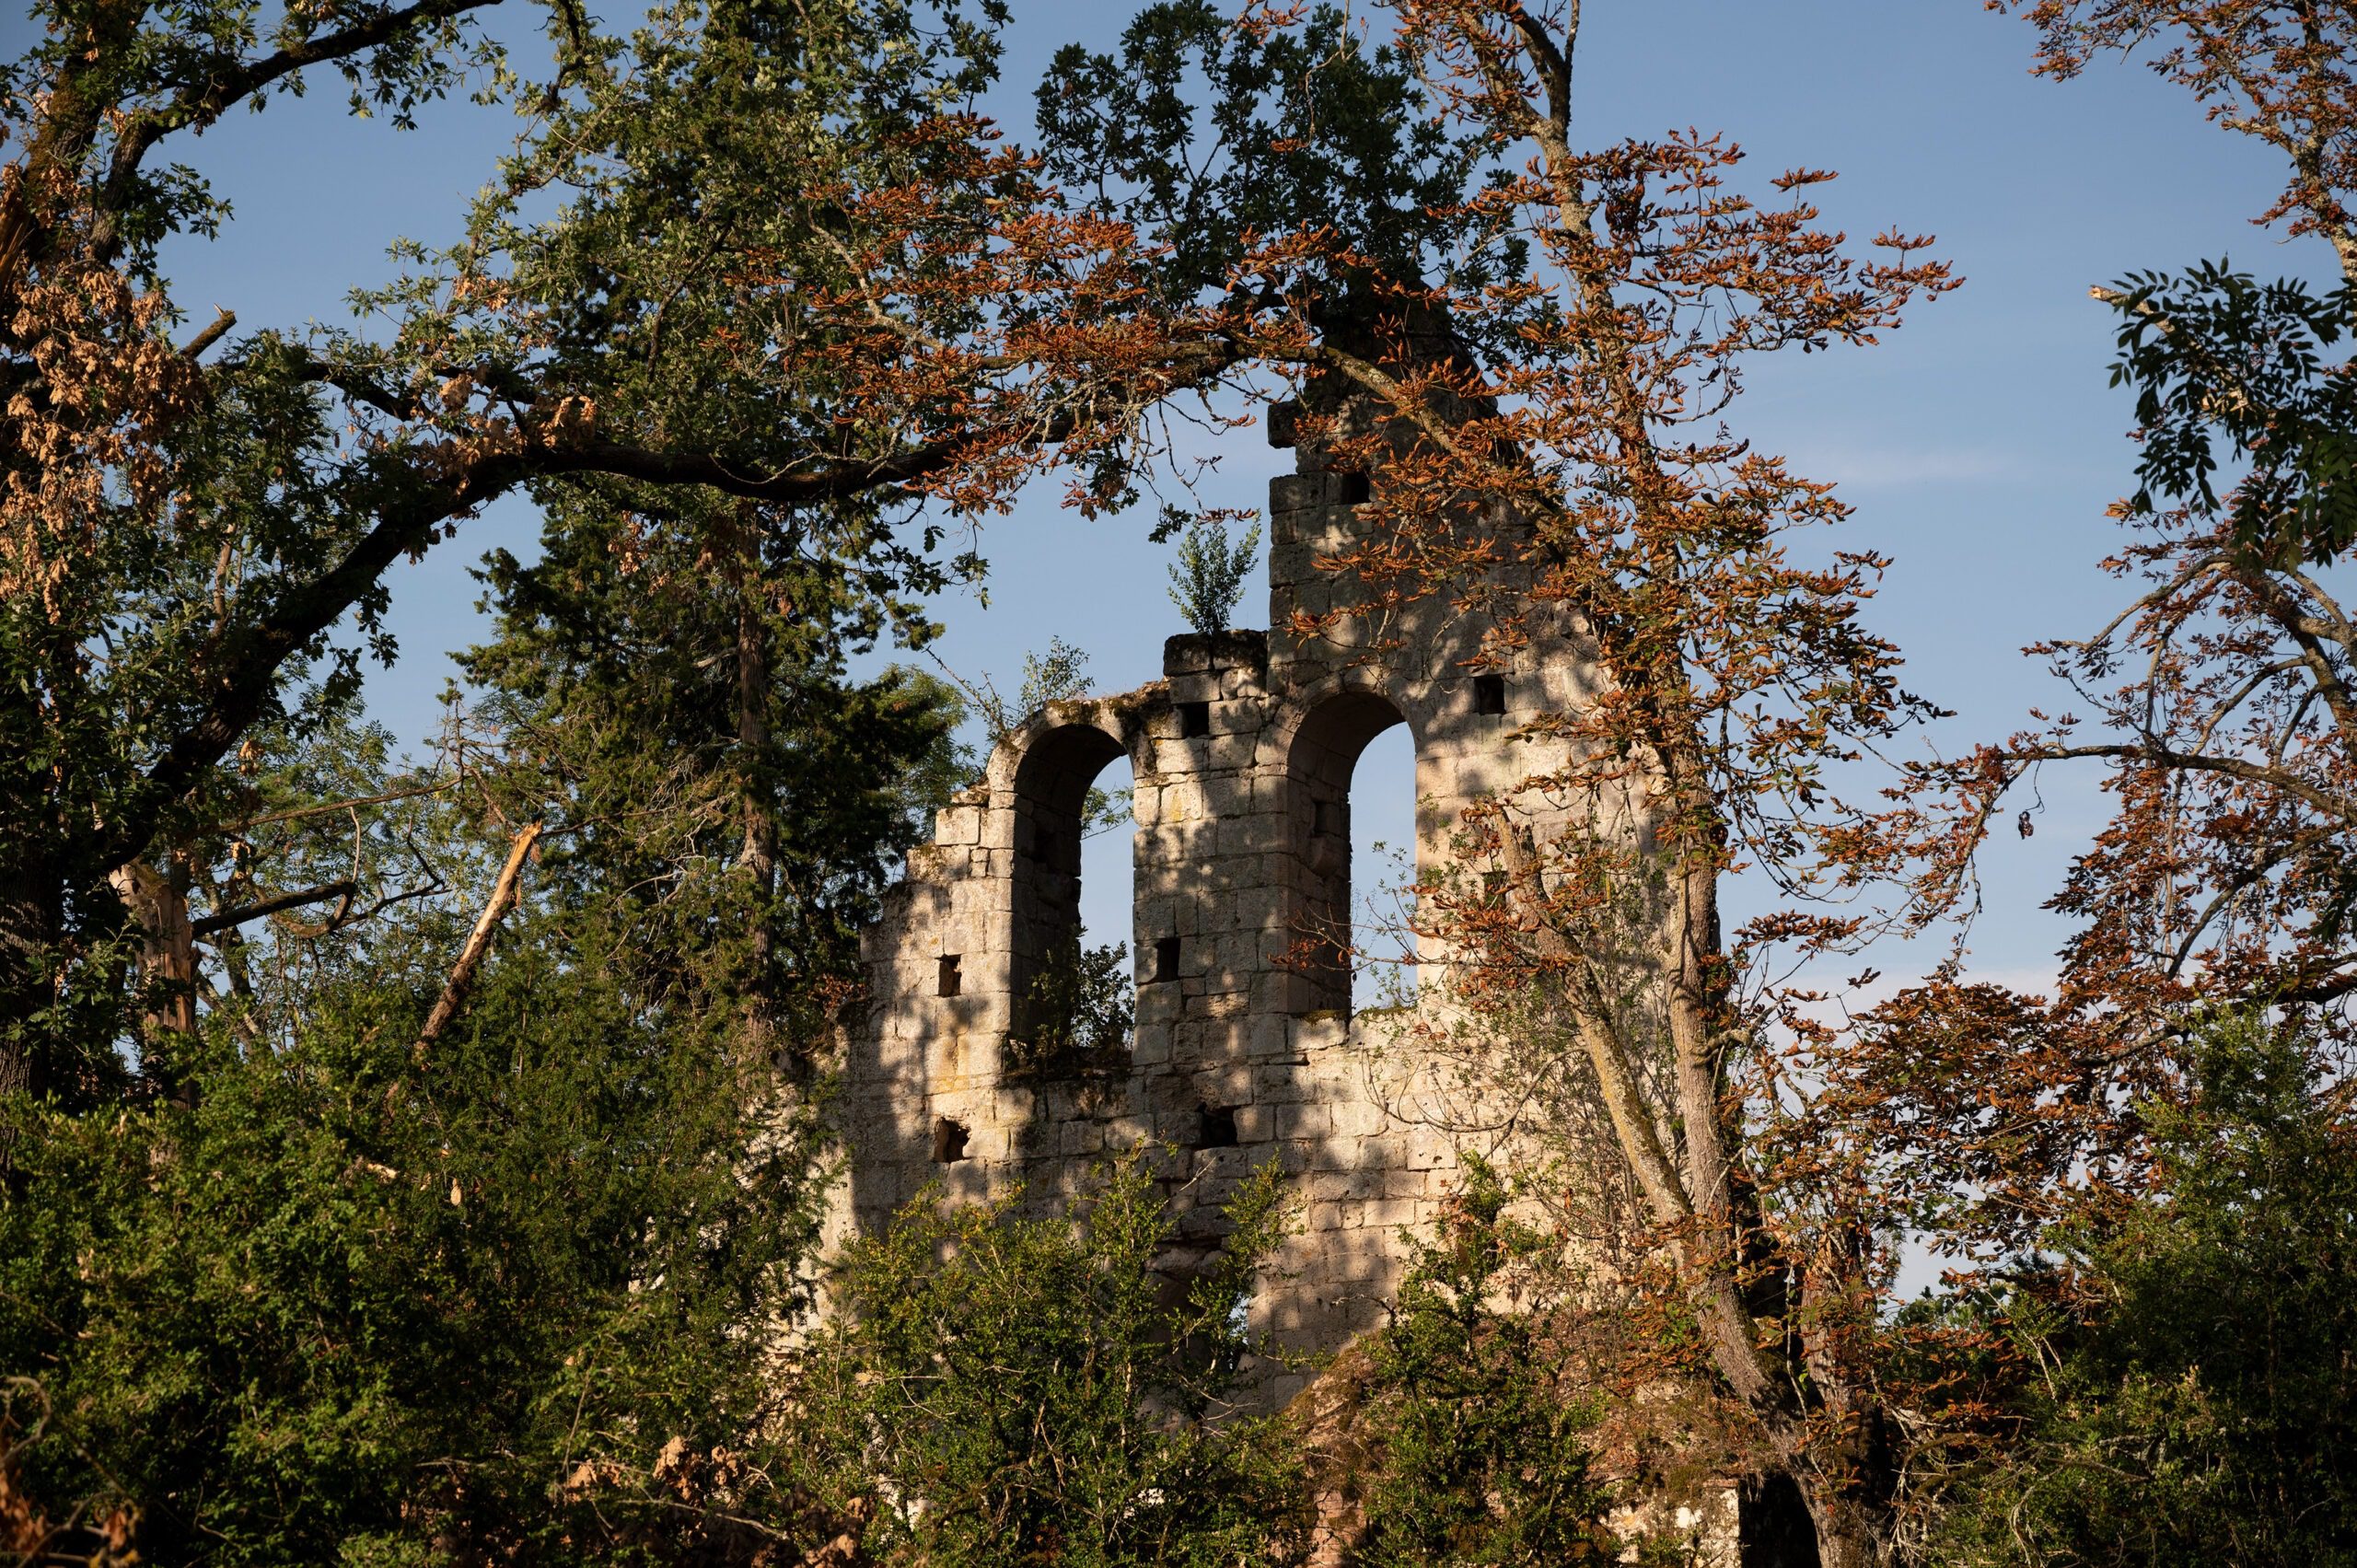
[[462, 973], [212, 924], [199, 104], [2232, 767]]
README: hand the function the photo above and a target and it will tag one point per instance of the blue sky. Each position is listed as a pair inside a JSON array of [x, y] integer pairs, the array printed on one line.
[[1980, 442]]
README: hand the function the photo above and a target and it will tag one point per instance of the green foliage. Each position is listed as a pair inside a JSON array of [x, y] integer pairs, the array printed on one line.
[[513, 1297], [356, 1305], [1207, 583], [732, 800], [2194, 1404], [1479, 1432], [1007, 1390], [1202, 132], [230, 516], [1058, 674], [1077, 1009], [2217, 358], [948, 764]]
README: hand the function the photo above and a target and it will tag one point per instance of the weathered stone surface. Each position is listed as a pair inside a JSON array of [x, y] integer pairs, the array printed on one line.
[[1248, 1052]]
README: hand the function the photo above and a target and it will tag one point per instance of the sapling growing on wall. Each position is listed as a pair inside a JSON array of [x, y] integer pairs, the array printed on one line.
[[1078, 1007], [1207, 583], [1058, 675]]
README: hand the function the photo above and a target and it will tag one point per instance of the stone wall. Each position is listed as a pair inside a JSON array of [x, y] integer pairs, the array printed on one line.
[[1245, 1048]]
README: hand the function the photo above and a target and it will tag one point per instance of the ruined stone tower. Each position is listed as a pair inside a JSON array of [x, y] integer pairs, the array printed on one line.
[[1243, 755]]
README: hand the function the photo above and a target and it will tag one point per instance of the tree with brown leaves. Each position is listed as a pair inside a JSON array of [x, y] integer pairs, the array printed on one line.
[[2220, 693], [1536, 378]]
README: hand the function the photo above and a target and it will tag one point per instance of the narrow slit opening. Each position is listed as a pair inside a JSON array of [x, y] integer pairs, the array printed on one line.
[[949, 980], [1166, 959]]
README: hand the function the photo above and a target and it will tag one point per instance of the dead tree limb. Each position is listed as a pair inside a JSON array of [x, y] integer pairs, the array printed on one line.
[[462, 973]]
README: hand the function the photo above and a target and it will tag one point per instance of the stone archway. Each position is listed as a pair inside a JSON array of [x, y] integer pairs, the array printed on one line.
[[1321, 753], [1052, 775]]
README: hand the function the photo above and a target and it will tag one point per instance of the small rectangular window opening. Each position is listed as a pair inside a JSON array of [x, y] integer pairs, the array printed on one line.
[[950, 979], [1488, 693], [1194, 720], [1218, 1128], [949, 1141], [1166, 958], [1325, 818], [1357, 489]]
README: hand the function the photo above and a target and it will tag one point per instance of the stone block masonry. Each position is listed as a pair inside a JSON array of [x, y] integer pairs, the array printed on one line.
[[1245, 1049]]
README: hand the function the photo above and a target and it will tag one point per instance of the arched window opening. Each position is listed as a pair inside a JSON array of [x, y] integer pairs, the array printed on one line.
[[1323, 928], [1383, 868], [1072, 886], [1108, 835]]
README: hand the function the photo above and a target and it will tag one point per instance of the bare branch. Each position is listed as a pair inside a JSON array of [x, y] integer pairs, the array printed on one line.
[[462, 973]]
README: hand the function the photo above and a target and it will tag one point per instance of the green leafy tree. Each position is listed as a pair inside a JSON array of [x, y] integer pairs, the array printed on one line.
[[505, 1283], [1478, 1422], [1207, 582], [2181, 1367], [1208, 135], [1002, 1388], [743, 250], [363, 1303], [2236, 374], [725, 801]]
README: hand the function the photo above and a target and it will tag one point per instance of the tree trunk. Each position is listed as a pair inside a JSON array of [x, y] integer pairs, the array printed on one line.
[[30, 922], [1848, 1531], [158, 902], [757, 852]]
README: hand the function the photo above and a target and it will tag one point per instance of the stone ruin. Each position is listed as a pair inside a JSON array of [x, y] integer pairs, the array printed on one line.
[[1245, 1048]]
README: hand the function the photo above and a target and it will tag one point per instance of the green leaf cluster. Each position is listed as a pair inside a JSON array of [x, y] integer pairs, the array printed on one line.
[[1207, 134], [1015, 1388], [351, 1304], [2233, 375], [1478, 1429], [1077, 1010], [2191, 1400], [1207, 581]]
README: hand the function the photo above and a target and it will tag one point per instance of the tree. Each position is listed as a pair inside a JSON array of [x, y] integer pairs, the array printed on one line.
[[1478, 1417], [1579, 397], [1002, 1388], [2185, 1396], [2223, 683], [1208, 578], [358, 1301], [1530, 349], [506, 1280], [2219, 693], [720, 794], [793, 270]]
